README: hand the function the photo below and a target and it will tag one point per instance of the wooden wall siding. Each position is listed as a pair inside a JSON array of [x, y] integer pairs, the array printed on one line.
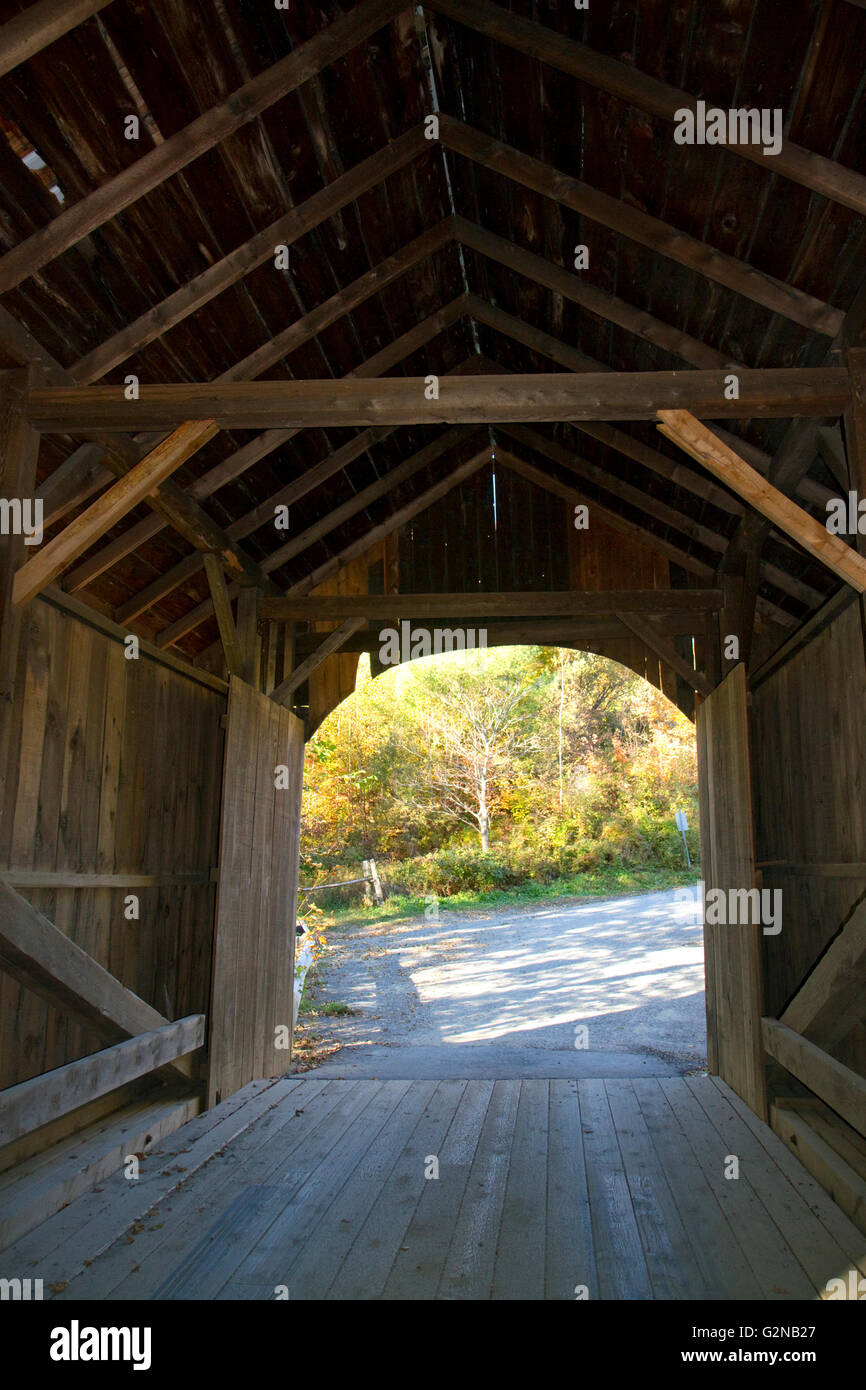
[[600, 560], [809, 743], [373, 572], [254, 941], [119, 773], [732, 953]]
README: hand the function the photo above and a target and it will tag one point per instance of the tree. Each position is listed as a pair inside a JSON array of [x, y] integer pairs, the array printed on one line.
[[477, 722]]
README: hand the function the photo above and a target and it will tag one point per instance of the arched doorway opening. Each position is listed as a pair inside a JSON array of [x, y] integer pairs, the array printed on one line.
[[563, 941]]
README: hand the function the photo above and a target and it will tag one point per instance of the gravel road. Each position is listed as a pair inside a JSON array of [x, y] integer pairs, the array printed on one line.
[[597, 988]]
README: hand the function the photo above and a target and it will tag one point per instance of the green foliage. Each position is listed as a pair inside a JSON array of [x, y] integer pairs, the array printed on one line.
[[585, 764]]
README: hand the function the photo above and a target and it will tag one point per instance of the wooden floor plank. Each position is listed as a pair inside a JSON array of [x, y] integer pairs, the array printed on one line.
[[831, 1216], [164, 1241], [468, 1272], [88, 1225], [570, 1257], [544, 1187], [420, 1260], [726, 1271], [368, 1265], [519, 1269], [620, 1262], [671, 1261], [774, 1263], [307, 1245], [820, 1255], [315, 1171]]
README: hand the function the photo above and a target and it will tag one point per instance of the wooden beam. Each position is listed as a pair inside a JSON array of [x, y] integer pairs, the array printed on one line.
[[45, 1098], [122, 453], [703, 445], [61, 878], [40, 957], [140, 482], [326, 648], [638, 226], [77, 478], [263, 512], [588, 296], [247, 629], [405, 400], [392, 523], [832, 998], [665, 651], [534, 602], [842, 1089], [622, 81], [299, 333], [437, 448], [223, 609], [19, 449], [255, 252], [573, 496], [195, 139], [555, 632], [39, 25]]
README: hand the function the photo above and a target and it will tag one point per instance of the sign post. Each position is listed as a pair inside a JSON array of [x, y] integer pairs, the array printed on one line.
[[682, 827]]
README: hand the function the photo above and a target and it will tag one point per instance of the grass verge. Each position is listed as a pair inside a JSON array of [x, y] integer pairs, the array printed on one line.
[[609, 882]]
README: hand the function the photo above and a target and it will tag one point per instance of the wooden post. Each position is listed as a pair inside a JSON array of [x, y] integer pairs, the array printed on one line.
[[19, 448], [247, 627], [377, 886]]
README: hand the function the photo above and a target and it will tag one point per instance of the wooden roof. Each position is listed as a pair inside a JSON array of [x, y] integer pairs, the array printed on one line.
[[409, 256]]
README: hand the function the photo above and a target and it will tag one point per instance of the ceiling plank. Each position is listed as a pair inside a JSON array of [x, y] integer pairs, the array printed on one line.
[[22, 37], [802, 166], [195, 139], [708, 449], [597, 301], [245, 258], [638, 226]]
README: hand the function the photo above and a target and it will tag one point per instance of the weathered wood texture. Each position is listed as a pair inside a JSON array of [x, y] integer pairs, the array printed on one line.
[[615, 1185], [118, 773], [809, 746], [254, 939], [732, 952]]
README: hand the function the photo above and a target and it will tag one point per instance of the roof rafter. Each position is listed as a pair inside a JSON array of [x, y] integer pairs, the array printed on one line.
[[535, 40], [195, 139], [622, 217]]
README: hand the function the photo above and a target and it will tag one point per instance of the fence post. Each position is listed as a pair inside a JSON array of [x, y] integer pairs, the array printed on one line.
[[377, 886]]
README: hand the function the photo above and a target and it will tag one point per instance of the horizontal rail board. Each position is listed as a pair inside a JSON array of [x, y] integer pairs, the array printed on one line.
[[37, 1102], [842, 1089], [38, 878]]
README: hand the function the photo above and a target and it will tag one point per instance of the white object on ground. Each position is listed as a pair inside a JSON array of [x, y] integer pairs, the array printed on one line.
[[303, 961]]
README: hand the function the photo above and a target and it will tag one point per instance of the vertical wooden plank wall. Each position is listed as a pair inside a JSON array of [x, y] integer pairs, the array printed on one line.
[[254, 943], [809, 740], [117, 771], [733, 952]]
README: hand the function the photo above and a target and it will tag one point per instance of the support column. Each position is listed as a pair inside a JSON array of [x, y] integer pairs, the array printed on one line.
[[19, 449]]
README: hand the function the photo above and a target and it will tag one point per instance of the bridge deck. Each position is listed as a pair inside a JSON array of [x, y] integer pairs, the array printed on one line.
[[313, 1188]]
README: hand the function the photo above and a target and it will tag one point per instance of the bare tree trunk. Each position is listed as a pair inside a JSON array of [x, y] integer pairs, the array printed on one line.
[[483, 817], [561, 700]]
